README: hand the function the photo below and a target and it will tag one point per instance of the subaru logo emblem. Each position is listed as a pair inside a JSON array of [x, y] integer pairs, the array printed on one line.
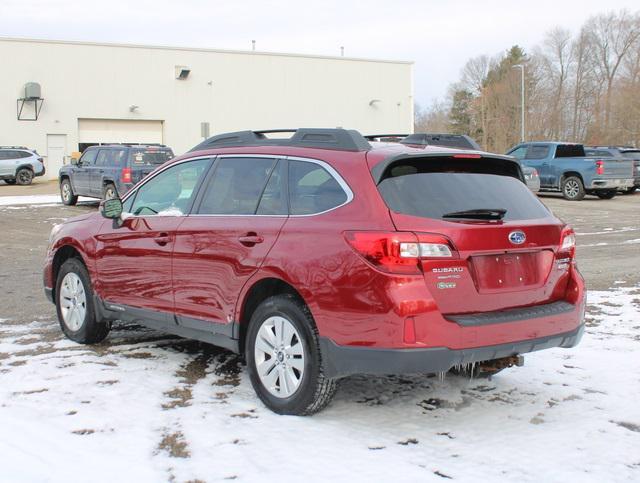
[[517, 237]]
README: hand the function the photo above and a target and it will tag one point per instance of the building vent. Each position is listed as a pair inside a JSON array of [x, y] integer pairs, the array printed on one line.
[[182, 72], [32, 91]]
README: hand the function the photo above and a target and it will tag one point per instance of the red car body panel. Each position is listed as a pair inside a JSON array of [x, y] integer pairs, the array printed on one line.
[[205, 271], [212, 264]]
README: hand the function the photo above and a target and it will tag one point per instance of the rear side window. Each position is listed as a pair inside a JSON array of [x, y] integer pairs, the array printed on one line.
[[150, 156], [312, 189], [570, 151], [119, 157], [537, 152], [236, 186], [417, 189], [104, 157], [14, 154]]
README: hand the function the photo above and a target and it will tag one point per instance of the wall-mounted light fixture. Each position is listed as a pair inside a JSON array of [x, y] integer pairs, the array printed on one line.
[[373, 102], [133, 108]]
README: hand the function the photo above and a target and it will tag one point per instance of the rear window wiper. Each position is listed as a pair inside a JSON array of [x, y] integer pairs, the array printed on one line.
[[478, 214]]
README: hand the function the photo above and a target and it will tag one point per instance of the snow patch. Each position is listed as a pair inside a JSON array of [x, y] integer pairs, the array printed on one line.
[[150, 407]]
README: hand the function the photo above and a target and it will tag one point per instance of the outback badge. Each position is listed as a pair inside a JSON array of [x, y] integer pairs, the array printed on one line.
[[517, 237]]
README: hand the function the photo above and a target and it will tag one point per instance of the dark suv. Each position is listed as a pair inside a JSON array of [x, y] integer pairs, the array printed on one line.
[[109, 170], [324, 255]]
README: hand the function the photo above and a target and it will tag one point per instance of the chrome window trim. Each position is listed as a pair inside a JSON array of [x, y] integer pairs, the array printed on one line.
[[332, 172]]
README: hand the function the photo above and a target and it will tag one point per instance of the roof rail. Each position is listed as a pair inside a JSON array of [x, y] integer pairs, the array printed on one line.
[[13, 147], [338, 139]]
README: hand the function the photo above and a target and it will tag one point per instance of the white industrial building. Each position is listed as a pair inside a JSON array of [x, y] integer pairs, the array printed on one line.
[[80, 93]]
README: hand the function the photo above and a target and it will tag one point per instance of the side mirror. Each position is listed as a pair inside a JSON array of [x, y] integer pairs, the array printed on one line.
[[111, 209], [74, 161]]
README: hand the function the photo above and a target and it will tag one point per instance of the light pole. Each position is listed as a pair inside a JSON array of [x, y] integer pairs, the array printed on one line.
[[521, 67]]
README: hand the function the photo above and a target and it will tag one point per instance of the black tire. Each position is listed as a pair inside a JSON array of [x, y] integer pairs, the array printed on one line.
[[606, 195], [68, 197], [630, 191], [315, 390], [91, 330], [24, 176], [572, 188], [109, 191], [10, 181]]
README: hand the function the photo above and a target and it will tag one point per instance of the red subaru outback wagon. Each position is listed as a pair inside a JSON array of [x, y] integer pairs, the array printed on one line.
[[323, 255]]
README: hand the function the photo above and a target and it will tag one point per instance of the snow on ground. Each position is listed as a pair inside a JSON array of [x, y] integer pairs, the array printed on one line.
[[144, 406], [46, 200]]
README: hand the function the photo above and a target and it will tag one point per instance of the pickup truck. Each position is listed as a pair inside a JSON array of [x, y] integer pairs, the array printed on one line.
[[619, 152], [110, 170], [565, 167]]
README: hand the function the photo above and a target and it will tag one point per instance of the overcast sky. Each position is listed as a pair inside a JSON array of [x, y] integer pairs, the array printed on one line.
[[439, 36]]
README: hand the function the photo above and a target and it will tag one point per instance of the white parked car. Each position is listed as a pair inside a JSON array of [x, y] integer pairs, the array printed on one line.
[[19, 165]]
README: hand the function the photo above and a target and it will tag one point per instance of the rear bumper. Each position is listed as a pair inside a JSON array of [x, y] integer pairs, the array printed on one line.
[[342, 361], [622, 183]]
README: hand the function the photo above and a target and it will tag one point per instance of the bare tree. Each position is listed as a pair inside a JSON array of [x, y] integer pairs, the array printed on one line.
[[611, 36]]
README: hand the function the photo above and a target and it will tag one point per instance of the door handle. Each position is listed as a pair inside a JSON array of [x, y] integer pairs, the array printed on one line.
[[250, 239], [162, 239]]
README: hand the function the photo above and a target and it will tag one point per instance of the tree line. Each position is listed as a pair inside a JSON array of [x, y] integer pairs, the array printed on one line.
[[579, 87]]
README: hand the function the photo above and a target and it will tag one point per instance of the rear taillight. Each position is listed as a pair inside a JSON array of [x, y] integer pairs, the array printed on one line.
[[534, 174], [399, 252], [126, 175], [567, 243], [599, 167]]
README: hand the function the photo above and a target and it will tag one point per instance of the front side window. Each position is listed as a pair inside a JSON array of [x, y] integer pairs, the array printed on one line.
[[312, 189], [236, 186], [171, 192], [89, 157]]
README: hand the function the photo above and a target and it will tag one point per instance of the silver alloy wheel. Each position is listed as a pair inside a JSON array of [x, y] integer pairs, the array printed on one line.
[[66, 191], [279, 356], [73, 301], [571, 188]]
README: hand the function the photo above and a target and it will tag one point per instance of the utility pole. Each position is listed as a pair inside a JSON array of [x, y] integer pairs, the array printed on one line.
[[521, 67]]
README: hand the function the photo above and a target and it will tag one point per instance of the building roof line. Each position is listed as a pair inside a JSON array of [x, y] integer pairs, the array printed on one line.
[[199, 49]]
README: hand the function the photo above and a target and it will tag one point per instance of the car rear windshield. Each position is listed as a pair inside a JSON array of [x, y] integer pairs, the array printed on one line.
[[150, 155], [418, 189]]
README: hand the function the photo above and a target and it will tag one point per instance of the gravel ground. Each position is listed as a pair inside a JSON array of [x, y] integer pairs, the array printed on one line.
[[149, 407]]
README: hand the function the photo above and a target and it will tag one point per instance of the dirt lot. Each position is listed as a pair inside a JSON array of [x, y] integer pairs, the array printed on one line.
[[163, 408]]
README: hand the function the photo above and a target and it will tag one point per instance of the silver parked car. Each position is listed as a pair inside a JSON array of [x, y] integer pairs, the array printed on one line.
[[20, 165]]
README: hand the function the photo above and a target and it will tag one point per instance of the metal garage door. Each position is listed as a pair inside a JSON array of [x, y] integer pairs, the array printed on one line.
[[102, 131]]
